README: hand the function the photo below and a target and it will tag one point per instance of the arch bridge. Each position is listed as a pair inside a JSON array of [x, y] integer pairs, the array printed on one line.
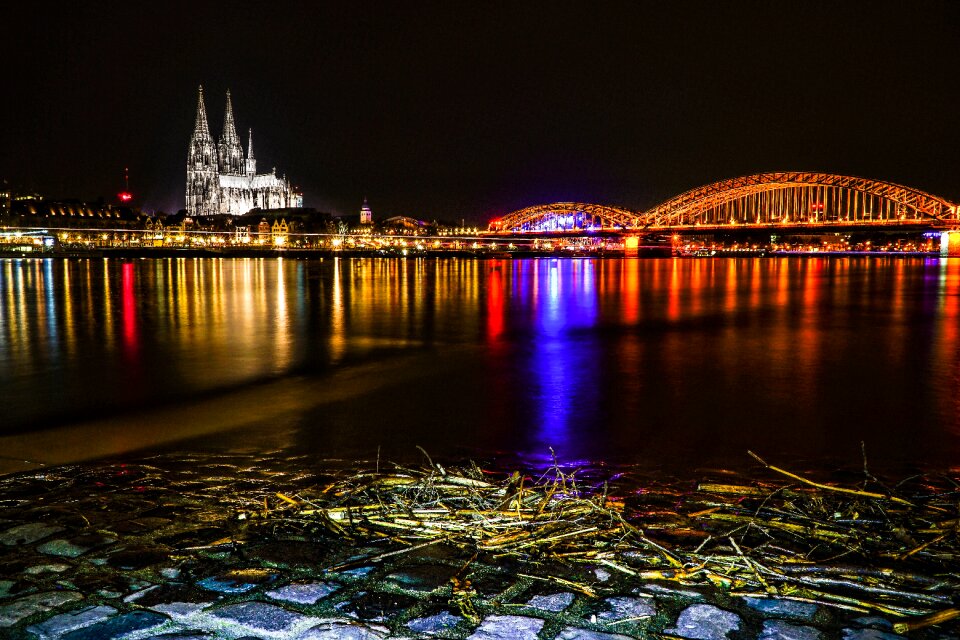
[[783, 199], [565, 216]]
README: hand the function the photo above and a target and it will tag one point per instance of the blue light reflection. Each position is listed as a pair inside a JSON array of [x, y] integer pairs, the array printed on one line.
[[564, 359]]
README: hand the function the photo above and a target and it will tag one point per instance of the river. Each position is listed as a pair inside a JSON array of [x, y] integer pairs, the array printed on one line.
[[668, 363]]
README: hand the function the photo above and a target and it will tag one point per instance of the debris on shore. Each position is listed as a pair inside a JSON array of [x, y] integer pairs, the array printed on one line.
[[892, 550]]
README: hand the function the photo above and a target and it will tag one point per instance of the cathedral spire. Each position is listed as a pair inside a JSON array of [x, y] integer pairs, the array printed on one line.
[[229, 128], [251, 164], [200, 128], [231, 153]]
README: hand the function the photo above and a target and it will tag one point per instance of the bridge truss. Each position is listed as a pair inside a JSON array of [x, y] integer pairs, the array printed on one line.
[[764, 199], [797, 198], [565, 216]]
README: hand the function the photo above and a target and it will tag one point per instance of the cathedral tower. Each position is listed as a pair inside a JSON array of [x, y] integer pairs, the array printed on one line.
[[203, 180], [231, 153]]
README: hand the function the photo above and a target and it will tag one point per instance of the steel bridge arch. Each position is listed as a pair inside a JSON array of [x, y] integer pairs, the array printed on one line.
[[533, 218], [688, 207]]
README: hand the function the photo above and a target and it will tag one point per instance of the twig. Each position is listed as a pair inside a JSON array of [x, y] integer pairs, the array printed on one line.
[[826, 487], [928, 621], [382, 556]]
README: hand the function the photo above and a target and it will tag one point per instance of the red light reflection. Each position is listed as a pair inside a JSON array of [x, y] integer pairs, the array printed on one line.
[[494, 301], [131, 339]]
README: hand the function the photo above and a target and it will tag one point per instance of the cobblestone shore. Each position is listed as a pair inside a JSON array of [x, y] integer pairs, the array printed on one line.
[[153, 549]]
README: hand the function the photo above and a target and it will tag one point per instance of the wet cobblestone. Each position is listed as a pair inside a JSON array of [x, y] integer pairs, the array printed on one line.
[[153, 549]]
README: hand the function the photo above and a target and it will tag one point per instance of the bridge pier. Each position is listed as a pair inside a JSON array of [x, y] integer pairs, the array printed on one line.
[[631, 245], [950, 244]]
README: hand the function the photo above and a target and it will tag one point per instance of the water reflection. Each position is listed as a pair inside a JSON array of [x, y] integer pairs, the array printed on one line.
[[563, 361], [495, 304], [687, 360], [130, 337], [50, 308]]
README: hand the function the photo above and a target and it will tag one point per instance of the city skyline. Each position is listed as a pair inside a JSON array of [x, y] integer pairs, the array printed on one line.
[[473, 112]]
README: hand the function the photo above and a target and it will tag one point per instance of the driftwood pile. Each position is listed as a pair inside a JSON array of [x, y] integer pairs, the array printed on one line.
[[890, 550]]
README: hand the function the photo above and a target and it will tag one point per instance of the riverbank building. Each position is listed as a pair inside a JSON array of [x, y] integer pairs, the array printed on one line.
[[222, 179]]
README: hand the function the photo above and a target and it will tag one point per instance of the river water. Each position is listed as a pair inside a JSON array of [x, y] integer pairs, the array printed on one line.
[[671, 363]]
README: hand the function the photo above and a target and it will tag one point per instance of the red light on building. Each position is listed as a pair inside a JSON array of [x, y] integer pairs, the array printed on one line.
[[125, 196]]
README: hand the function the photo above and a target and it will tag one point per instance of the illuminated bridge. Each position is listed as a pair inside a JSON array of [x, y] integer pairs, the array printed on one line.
[[779, 200]]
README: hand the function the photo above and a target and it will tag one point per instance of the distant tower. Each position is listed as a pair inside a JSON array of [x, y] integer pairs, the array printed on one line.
[[251, 162], [231, 153], [366, 216], [203, 179], [125, 196]]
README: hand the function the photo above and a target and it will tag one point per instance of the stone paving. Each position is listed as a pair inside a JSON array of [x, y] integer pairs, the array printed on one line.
[[154, 549]]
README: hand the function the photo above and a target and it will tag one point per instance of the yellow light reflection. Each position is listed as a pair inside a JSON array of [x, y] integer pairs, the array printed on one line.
[[338, 341]]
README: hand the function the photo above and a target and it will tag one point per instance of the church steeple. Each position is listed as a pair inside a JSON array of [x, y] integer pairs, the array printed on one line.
[[366, 215], [231, 153], [251, 162], [229, 128], [202, 180], [200, 129]]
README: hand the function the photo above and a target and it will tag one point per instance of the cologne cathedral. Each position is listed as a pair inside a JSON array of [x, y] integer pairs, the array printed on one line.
[[222, 180]]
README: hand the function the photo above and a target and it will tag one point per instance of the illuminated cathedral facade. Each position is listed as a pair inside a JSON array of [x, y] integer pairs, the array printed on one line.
[[222, 179]]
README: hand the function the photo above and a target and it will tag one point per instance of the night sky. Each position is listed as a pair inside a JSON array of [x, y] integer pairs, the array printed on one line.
[[473, 109]]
